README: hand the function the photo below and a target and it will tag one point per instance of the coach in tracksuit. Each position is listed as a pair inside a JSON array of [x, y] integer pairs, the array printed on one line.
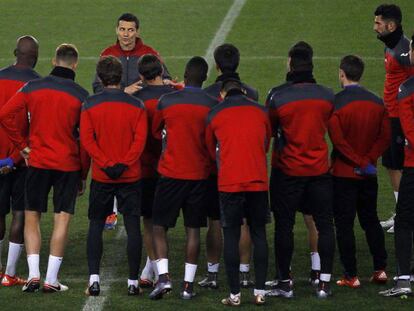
[[114, 132], [299, 114], [359, 130], [238, 136]]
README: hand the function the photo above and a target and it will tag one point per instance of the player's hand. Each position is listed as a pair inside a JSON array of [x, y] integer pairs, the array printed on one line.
[[115, 171], [82, 187], [369, 170], [7, 162], [5, 170], [25, 154], [134, 87]]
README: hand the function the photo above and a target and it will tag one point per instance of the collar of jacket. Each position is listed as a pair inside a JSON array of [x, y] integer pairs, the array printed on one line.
[[228, 75], [234, 92], [391, 40], [63, 72], [138, 45], [300, 77]]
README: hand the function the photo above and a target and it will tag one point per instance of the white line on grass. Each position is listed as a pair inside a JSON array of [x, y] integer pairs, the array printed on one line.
[[224, 30], [108, 277]]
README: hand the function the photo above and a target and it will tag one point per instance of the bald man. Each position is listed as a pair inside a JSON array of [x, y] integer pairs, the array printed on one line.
[[13, 171]]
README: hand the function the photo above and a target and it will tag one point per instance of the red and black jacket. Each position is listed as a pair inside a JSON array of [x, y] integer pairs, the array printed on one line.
[[52, 106], [299, 113], [114, 130], [359, 130], [129, 60], [406, 110], [12, 79], [238, 136], [397, 69], [150, 95], [180, 122], [214, 89]]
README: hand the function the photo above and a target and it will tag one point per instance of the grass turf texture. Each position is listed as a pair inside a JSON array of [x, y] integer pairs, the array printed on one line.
[[264, 31]]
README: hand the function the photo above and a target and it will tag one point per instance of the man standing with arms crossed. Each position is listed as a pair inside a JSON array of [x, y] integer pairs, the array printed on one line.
[[12, 178], [387, 25], [55, 160]]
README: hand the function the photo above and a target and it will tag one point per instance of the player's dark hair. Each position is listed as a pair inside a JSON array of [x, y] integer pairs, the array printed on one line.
[[149, 66], [227, 57], [353, 67], [305, 46], [231, 84], [412, 42], [67, 53], [196, 71], [301, 58], [389, 12], [129, 17], [109, 70]]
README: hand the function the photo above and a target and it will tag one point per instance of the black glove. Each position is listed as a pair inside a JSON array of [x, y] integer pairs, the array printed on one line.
[[114, 172]]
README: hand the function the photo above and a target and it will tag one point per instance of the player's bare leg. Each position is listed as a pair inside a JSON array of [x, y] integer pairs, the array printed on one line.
[[313, 247], [245, 251], [32, 239], [191, 257]]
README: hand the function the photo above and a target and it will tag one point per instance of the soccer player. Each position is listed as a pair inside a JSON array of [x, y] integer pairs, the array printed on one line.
[[299, 114], [238, 136], [54, 158], [227, 59], [150, 70], [387, 25], [12, 78], [128, 49], [184, 167], [304, 208], [404, 219], [359, 130], [114, 131]]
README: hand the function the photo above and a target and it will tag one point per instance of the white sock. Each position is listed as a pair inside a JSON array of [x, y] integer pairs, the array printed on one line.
[[33, 263], [155, 269], [14, 254], [53, 269], [133, 282], [236, 296], [259, 292], [162, 265], [147, 271], [93, 278], [115, 208], [404, 277], [316, 261], [325, 277], [244, 267], [213, 267], [190, 271], [1, 247], [396, 196]]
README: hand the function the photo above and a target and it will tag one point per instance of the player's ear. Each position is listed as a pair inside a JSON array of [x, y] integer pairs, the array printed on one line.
[[392, 26], [54, 63], [74, 66]]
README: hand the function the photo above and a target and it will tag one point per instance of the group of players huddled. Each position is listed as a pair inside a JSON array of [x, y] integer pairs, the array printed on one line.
[[160, 147]]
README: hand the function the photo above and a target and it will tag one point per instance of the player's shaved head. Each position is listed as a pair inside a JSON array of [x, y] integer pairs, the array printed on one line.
[[27, 50]]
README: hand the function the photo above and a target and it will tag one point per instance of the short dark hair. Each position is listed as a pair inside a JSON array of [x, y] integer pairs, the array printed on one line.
[[149, 66], [227, 57], [353, 67], [67, 53], [109, 70], [390, 12], [305, 46], [412, 42], [129, 17], [196, 70], [301, 58], [231, 84]]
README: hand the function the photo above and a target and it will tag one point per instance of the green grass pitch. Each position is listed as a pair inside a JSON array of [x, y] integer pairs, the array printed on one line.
[[179, 29]]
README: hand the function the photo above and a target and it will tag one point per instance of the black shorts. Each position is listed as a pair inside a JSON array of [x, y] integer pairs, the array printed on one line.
[[393, 157], [148, 193], [101, 199], [252, 205], [39, 183], [12, 191], [175, 194], [213, 201]]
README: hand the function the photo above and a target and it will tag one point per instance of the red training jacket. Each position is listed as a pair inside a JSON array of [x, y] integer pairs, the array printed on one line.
[[299, 113], [238, 136], [12, 79], [53, 105], [150, 95], [359, 130], [406, 110], [180, 122], [114, 130]]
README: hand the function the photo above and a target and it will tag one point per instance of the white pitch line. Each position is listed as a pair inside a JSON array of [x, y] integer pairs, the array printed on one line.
[[223, 31], [108, 277]]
